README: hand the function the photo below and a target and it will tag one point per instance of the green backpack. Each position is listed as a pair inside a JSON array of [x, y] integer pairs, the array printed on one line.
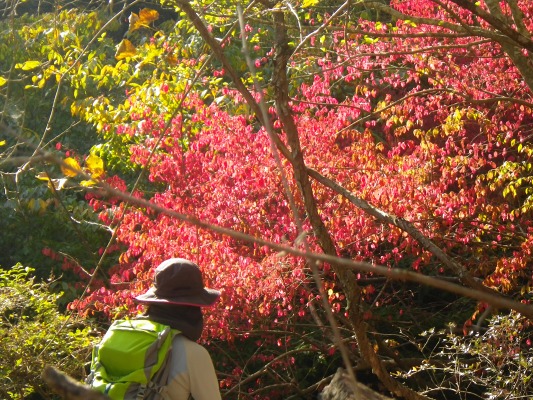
[[130, 361]]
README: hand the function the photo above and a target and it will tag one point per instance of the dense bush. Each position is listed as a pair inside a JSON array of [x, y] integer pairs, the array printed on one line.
[[35, 333], [488, 362]]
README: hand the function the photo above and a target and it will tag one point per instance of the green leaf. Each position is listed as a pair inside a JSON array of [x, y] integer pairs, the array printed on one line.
[[28, 65]]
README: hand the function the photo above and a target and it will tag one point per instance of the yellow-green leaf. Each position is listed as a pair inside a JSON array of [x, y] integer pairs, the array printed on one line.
[[70, 167], [28, 65], [43, 176], [309, 3], [95, 165], [2, 142], [3, 81], [147, 15], [142, 20], [58, 183], [125, 49], [133, 22], [88, 183]]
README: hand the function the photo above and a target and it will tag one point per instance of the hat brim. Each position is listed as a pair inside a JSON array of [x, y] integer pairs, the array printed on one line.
[[206, 298]]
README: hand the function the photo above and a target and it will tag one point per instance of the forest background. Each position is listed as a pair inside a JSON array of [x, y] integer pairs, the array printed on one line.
[[356, 177]]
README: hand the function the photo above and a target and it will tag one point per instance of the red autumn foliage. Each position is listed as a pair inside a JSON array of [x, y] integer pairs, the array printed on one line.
[[427, 125]]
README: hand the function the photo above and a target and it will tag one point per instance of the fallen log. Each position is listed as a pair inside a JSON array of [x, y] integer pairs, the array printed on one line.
[[67, 387]]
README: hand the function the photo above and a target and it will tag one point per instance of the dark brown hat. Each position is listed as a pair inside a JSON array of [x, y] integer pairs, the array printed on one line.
[[179, 281]]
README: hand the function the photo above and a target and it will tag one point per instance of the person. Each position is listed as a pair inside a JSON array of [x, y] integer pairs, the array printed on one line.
[[176, 299]]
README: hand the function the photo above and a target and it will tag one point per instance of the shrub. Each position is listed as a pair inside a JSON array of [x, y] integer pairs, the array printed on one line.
[[34, 333], [492, 362]]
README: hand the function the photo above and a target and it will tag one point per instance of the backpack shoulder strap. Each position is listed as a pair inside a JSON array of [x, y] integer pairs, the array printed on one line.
[[160, 379]]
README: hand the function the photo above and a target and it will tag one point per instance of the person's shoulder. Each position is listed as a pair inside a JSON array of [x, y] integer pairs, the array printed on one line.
[[190, 346]]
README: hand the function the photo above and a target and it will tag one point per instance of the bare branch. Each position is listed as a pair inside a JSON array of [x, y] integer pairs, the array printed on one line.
[[457, 27], [496, 300], [406, 226], [496, 19], [219, 53], [518, 17], [323, 25]]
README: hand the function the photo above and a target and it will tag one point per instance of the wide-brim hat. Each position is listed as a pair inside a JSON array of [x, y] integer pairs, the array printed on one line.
[[179, 281]]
